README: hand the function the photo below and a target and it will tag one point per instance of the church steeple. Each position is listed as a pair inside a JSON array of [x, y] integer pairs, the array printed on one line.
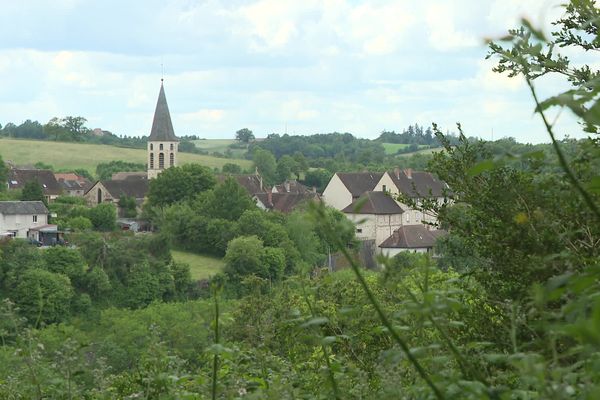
[[162, 127], [162, 143]]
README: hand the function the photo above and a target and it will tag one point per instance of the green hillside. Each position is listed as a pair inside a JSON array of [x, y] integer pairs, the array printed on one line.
[[392, 148], [219, 145], [67, 155], [201, 267]]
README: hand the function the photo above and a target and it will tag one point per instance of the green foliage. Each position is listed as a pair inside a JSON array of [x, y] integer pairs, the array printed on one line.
[[179, 184], [128, 206], [3, 174], [79, 223], [32, 191], [228, 200], [244, 256], [286, 165], [244, 135], [103, 217], [105, 170], [230, 168], [266, 164], [43, 296]]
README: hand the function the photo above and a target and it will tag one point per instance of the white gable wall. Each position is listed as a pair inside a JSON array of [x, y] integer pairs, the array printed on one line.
[[336, 194], [21, 223]]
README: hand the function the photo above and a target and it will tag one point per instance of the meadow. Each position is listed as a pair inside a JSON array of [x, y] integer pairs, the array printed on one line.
[[392, 148], [201, 267], [68, 155]]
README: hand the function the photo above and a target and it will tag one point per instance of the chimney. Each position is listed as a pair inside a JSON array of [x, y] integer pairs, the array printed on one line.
[[286, 184], [397, 172], [260, 181], [270, 199], [314, 189], [408, 173]]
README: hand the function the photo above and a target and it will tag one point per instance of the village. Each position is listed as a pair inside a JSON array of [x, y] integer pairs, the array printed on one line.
[[384, 224]]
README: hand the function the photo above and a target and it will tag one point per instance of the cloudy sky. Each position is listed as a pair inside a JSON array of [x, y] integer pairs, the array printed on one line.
[[308, 66]]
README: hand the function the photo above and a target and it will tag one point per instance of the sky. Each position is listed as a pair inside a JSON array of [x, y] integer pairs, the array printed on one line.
[[273, 66]]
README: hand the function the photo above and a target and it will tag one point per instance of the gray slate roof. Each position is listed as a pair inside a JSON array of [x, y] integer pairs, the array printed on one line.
[[286, 202], [136, 188], [419, 184], [359, 182], [17, 178], [374, 203], [22, 207], [292, 186], [413, 237], [251, 182], [162, 127]]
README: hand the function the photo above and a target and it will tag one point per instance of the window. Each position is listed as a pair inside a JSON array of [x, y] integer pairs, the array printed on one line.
[[171, 159], [384, 188], [161, 146], [161, 160], [99, 196], [151, 160], [358, 230], [407, 217], [151, 146], [35, 218], [171, 146]]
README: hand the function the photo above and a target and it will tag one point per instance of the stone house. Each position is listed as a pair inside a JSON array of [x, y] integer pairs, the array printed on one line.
[[283, 202], [111, 191], [17, 178], [411, 238]]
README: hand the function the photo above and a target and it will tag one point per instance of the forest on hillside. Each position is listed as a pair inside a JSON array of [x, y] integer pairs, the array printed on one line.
[[509, 310]]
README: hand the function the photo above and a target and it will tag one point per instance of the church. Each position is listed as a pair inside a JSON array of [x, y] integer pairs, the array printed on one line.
[[162, 143], [162, 151]]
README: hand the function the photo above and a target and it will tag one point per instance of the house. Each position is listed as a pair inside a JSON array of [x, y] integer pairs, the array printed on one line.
[[415, 185], [292, 186], [17, 178], [345, 187], [283, 202], [253, 183], [73, 187], [411, 238], [376, 216], [110, 191], [27, 220]]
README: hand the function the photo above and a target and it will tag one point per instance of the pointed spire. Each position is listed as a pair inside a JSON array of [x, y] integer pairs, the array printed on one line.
[[162, 127]]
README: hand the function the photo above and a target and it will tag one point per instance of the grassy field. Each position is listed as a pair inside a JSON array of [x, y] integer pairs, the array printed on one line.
[[424, 151], [392, 148], [81, 155], [218, 145], [201, 267]]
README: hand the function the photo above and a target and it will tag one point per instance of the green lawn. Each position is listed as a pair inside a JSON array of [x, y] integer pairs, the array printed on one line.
[[424, 151], [392, 148], [201, 267], [82, 155]]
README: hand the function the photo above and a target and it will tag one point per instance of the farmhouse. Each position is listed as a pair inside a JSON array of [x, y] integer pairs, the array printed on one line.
[[17, 178], [27, 219], [376, 216], [411, 238], [283, 202]]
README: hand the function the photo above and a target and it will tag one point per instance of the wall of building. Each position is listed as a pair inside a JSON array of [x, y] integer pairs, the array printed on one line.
[[336, 194], [153, 158], [91, 197], [375, 227], [21, 223]]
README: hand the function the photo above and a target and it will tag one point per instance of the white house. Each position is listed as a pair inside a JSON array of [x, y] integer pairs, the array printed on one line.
[[376, 216], [23, 219], [345, 187]]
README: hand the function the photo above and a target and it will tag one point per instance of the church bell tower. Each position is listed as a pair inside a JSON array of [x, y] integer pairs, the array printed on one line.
[[162, 143]]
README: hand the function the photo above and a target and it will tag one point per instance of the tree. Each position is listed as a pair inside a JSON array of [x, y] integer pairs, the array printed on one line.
[[75, 126], [128, 206], [103, 217], [318, 178], [285, 166], [244, 135], [245, 256], [266, 164], [105, 170], [43, 296], [228, 200], [179, 183], [230, 168], [32, 191], [3, 175]]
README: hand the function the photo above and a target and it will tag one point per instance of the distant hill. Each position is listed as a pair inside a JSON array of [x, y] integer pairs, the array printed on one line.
[[70, 155]]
